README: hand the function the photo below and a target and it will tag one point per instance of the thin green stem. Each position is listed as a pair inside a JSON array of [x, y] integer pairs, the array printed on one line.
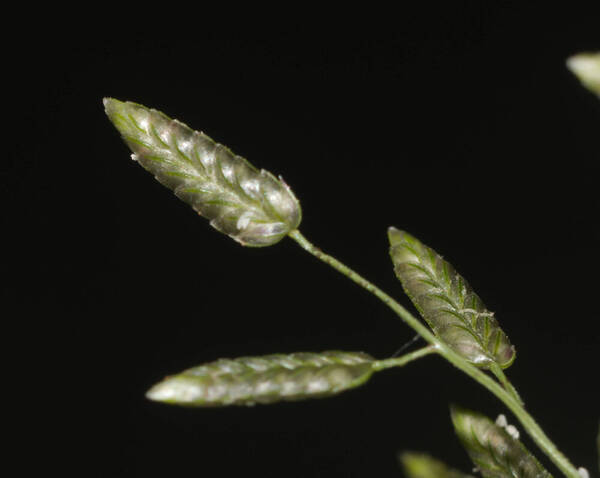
[[506, 397], [404, 314], [500, 375], [404, 359]]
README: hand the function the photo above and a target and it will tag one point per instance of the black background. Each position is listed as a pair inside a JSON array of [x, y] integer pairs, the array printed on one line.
[[459, 124]]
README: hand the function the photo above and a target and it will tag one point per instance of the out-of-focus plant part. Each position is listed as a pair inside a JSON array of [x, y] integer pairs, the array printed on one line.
[[266, 379], [586, 66], [420, 465], [493, 451], [452, 309], [251, 206]]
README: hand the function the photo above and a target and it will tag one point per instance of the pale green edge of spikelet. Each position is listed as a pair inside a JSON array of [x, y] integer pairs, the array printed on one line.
[[586, 66], [421, 465]]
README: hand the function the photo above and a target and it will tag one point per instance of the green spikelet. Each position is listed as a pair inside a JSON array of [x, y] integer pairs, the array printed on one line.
[[452, 309], [266, 379], [493, 451], [251, 206]]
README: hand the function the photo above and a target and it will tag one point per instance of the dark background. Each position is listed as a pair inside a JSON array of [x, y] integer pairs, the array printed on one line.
[[459, 124]]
